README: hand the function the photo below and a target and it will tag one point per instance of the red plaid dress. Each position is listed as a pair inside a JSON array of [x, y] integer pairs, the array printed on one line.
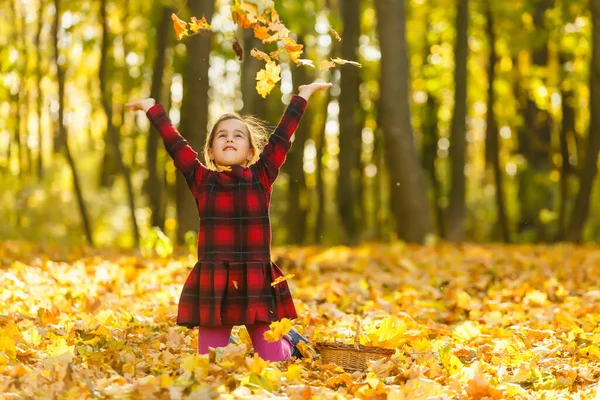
[[231, 282]]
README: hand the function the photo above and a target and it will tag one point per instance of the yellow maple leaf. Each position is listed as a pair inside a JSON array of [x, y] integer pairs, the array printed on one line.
[[58, 347], [282, 279], [9, 337], [258, 365], [466, 331], [8, 345], [260, 55], [294, 372], [452, 364], [267, 78], [180, 27], [277, 329]]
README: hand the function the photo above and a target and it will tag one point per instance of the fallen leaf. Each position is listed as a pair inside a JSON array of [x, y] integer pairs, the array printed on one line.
[[277, 329]]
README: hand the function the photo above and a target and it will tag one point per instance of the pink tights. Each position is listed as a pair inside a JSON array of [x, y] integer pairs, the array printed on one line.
[[218, 336]]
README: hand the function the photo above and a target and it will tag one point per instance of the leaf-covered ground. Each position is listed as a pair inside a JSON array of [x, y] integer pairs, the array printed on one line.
[[467, 322]]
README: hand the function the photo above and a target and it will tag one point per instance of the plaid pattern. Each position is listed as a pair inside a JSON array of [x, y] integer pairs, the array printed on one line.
[[231, 283]]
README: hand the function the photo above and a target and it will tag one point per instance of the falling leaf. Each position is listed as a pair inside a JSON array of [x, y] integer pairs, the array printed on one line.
[[334, 33], [267, 78], [238, 49], [277, 329], [279, 35], [326, 65], [260, 55], [294, 49], [282, 279], [199, 26], [261, 32], [341, 61], [241, 18], [303, 61], [180, 27], [275, 54]]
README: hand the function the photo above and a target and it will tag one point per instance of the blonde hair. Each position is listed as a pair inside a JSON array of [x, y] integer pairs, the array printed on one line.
[[256, 129]]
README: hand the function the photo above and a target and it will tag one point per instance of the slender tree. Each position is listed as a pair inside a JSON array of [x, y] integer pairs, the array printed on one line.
[[535, 138], [294, 166], [154, 187], [112, 133], [254, 104], [194, 112], [351, 119], [62, 130], [590, 167], [38, 89], [408, 192], [492, 141], [458, 143]]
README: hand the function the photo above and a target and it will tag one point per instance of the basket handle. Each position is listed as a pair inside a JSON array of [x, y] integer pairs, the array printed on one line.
[[357, 335]]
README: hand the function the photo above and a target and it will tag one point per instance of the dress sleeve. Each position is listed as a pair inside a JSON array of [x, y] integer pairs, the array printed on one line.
[[184, 157], [274, 154]]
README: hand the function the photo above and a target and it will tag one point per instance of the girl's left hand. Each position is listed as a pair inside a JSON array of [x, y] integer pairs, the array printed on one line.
[[306, 91]]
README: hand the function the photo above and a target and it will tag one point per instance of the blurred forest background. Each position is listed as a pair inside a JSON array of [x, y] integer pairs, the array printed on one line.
[[470, 120]]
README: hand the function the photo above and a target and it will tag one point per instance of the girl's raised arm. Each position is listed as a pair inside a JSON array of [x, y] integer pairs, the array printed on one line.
[[184, 157], [274, 154]]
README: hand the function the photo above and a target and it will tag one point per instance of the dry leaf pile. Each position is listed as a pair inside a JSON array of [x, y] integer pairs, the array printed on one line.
[[514, 322]]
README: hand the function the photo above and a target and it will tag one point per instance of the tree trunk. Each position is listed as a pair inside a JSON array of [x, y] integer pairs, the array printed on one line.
[[535, 143], [18, 99], [492, 141], [429, 151], [567, 130], [194, 112], [112, 134], [408, 191], [62, 131], [254, 104], [456, 209], [429, 145], [294, 166], [590, 168], [39, 97], [320, 184], [350, 122], [154, 187]]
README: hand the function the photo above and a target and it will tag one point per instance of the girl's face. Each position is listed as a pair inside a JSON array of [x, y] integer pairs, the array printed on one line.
[[231, 144]]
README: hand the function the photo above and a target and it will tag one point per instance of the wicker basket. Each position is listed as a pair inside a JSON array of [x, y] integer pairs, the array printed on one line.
[[351, 357]]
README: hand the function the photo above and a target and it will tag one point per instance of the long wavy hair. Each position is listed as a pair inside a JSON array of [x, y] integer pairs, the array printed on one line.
[[256, 129]]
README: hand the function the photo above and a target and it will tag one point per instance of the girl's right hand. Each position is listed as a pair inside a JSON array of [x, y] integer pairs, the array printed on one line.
[[141, 105]]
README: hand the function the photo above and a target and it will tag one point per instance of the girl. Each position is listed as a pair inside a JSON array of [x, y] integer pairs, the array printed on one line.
[[231, 282]]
